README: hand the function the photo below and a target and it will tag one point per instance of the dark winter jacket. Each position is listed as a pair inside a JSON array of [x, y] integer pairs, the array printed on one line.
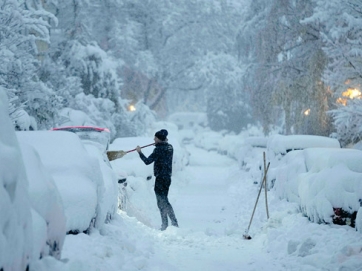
[[162, 156]]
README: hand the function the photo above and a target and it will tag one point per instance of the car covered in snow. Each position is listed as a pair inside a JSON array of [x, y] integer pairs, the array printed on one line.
[[324, 182], [76, 174], [279, 145], [96, 141], [49, 220], [16, 234], [252, 149]]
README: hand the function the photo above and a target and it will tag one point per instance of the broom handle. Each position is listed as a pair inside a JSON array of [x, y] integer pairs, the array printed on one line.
[[266, 188], [141, 147], [257, 199]]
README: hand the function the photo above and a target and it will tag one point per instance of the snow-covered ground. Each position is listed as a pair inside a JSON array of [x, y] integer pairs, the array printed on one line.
[[213, 200], [213, 196]]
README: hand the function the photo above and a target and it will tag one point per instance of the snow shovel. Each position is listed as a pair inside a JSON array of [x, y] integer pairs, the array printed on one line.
[[113, 155], [246, 235]]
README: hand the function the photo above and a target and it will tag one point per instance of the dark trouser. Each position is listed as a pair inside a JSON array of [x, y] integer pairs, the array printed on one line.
[[162, 186]]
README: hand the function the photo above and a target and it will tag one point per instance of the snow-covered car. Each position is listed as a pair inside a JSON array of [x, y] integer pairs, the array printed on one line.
[[76, 174], [279, 145], [97, 136], [324, 182], [252, 149], [96, 140], [208, 140], [89, 133], [48, 214], [15, 211]]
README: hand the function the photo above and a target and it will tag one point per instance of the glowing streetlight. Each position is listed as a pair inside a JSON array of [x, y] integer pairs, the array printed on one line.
[[351, 93], [131, 108], [306, 112]]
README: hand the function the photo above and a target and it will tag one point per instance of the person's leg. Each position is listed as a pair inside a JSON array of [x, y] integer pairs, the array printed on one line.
[[161, 189], [172, 215], [161, 206], [162, 186]]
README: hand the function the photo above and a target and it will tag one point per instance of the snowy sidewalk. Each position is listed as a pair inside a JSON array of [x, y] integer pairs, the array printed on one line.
[[204, 210], [213, 208]]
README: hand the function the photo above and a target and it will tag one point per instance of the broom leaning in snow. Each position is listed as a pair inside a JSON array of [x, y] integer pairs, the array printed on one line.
[[246, 235]]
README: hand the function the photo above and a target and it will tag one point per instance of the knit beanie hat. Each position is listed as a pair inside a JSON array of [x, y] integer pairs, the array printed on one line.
[[161, 135]]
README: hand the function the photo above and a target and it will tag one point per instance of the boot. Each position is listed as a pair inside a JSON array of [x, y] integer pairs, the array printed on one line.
[[172, 216], [163, 227], [164, 220]]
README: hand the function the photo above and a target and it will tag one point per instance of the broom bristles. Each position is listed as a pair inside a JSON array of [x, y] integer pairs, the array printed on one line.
[[113, 155]]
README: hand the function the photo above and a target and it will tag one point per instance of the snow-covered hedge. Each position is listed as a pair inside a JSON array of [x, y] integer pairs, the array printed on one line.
[[320, 179]]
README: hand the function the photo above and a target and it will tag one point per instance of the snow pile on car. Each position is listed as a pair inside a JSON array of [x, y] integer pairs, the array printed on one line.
[[77, 175], [322, 180], [47, 202], [279, 145], [16, 222]]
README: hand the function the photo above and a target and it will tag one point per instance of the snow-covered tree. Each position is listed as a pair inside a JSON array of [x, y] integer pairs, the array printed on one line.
[[285, 63], [348, 122], [341, 32], [23, 29]]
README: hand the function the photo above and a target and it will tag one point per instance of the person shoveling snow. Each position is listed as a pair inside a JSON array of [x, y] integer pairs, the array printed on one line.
[[162, 169]]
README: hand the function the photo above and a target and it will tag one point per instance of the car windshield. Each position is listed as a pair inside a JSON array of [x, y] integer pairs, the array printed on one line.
[[92, 134]]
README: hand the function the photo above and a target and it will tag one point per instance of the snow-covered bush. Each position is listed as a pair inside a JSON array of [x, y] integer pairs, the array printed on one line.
[[208, 140], [15, 213], [142, 118]]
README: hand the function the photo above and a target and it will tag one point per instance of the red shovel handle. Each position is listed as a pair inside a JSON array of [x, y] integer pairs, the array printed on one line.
[[141, 147]]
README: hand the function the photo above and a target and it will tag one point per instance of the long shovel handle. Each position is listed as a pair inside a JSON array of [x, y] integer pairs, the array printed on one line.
[[257, 199], [141, 147]]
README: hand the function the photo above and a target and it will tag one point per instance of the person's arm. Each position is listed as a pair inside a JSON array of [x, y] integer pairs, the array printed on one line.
[[147, 160]]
